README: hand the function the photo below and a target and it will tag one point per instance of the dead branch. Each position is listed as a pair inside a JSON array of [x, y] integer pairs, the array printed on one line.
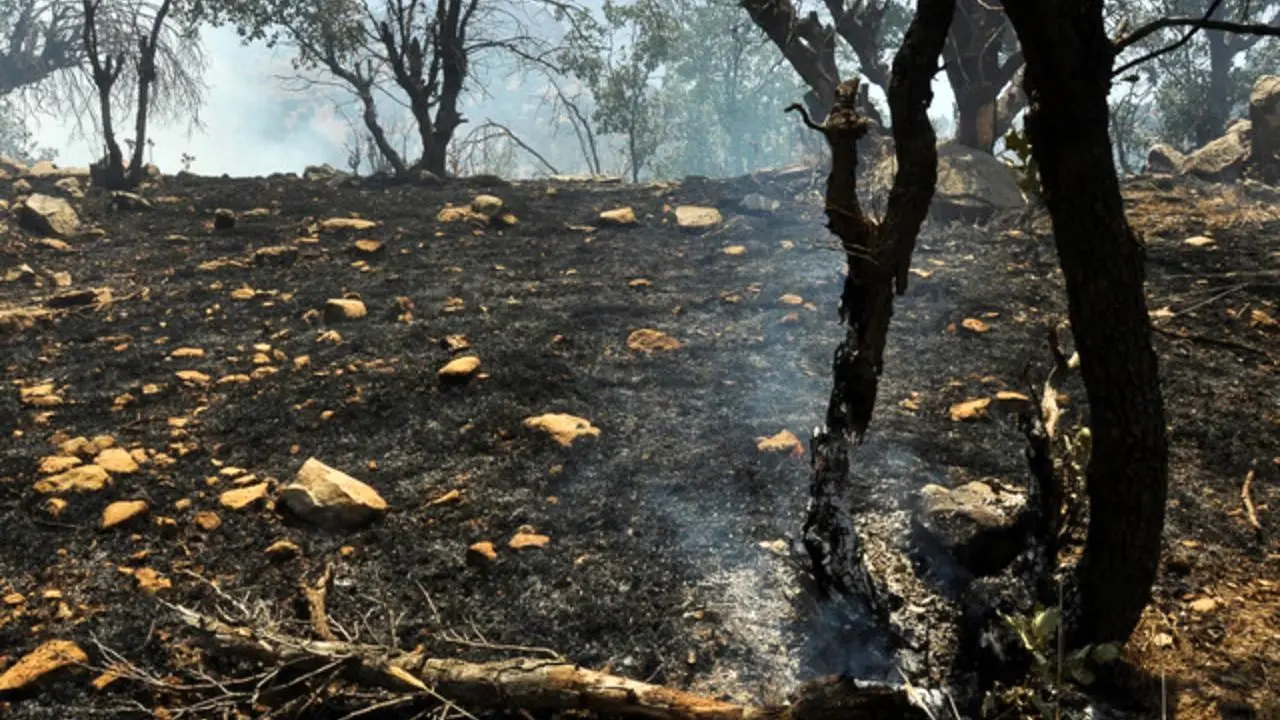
[[525, 683], [314, 594], [1206, 22], [506, 132], [1250, 511]]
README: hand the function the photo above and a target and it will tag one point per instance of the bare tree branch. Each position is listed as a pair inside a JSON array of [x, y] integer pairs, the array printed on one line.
[[1196, 24]]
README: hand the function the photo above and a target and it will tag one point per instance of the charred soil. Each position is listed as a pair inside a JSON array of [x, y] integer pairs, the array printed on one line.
[[662, 563]]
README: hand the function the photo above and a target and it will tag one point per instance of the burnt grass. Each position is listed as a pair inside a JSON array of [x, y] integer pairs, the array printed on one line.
[[654, 569]]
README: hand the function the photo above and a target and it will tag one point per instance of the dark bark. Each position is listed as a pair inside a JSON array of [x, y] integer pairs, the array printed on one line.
[[977, 73], [1218, 105], [147, 48], [42, 40], [431, 73], [878, 254], [1068, 70], [105, 71], [806, 44]]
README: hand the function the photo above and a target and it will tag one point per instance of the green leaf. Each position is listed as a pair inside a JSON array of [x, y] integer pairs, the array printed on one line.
[[1105, 653]]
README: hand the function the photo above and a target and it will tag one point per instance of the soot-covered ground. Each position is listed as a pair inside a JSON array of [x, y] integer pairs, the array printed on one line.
[[661, 563]]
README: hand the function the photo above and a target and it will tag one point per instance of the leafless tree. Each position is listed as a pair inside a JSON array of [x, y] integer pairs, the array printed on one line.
[[37, 39]]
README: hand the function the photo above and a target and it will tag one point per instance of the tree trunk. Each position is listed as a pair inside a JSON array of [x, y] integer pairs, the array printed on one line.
[[1068, 76], [1218, 105]]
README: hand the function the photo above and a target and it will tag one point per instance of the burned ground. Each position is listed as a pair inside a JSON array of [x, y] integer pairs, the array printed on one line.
[[655, 568]]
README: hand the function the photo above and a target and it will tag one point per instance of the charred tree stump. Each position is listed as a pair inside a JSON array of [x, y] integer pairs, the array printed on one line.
[[878, 255]]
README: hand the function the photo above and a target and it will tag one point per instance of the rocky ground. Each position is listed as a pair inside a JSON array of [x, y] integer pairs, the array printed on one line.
[[169, 368]]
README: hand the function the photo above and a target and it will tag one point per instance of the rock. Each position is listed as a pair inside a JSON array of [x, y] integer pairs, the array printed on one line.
[[563, 428], [54, 464], [21, 186], [1164, 159], [481, 552], [1203, 606], [224, 219], [347, 223], [86, 478], [322, 173], [1264, 116], [486, 205], [208, 520], [331, 498], [118, 513], [460, 368], [619, 216], [696, 218], [970, 410], [524, 539], [758, 204], [1222, 160], [48, 215], [242, 497], [49, 169], [784, 441], [972, 185], [12, 166], [283, 549], [117, 461], [45, 660], [735, 250], [343, 309], [70, 186], [976, 525], [649, 340], [368, 248], [275, 255]]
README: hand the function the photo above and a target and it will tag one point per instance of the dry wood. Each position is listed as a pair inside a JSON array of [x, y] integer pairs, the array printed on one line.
[[1245, 496], [314, 594], [532, 683]]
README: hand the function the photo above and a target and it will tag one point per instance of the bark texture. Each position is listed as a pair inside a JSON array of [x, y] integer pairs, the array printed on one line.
[[1068, 75]]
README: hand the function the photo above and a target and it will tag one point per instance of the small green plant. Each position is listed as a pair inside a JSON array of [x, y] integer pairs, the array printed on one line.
[[187, 159], [1053, 671], [1017, 155]]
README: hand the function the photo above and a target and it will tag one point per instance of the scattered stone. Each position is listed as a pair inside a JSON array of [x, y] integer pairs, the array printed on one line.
[[970, 410], [368, 248], [58, 463], [649, 340], [224, 219], [85, 478], [975, 325], [123, 200], [54, 506], [116, 460], [784, 441], [976, 525], [187, 352], [193, 376], [1204, 606], [273, 255], [697, 218], [283, 549], [456, 343], [61, 279], [149, 580], [1200, 241], [791, 299], [347, 223], [118, 513], [331, 498], [563, 428], [338, 310], [758, 204], [486, 205], [481, 552], [208, 520], [524, 539], [462, 368], [48, 215], [40, 663], [735, 250], [53, 244], [619, 216], [242, 497]]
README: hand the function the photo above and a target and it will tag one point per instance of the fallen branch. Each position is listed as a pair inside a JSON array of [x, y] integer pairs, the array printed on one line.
[[532, 683], [1249, 509]]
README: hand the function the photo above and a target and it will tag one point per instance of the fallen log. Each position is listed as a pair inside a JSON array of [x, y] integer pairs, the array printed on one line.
[[535, 683]]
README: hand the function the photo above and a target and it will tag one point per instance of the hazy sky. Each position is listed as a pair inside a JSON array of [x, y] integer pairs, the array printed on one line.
[[254, 125]]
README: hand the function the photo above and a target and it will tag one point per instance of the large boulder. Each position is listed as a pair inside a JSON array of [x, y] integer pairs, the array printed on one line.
[[1164, 159], [972, 185], [1222, 160], [48, 215], [1264, 115]]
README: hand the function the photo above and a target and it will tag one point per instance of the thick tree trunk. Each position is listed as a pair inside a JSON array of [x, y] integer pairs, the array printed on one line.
[[1068, 71], [1218, 106]]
